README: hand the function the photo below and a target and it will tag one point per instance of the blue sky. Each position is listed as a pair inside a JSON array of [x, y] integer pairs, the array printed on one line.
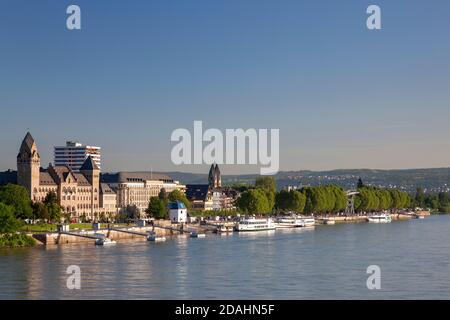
[[341, 95]]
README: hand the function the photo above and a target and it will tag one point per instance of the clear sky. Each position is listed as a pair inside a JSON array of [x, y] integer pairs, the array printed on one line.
[[341, 95]]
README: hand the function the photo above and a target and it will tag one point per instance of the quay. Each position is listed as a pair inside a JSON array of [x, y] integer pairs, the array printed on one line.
[[166, 228]]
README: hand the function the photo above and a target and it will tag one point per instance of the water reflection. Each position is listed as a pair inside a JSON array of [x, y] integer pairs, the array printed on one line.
[[320, 263]]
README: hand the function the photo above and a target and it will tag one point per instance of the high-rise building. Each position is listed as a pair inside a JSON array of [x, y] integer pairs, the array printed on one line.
[[73, 155], [78, 193]]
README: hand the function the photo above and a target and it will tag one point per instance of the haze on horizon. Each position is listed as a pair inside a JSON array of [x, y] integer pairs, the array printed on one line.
[[342, 96]]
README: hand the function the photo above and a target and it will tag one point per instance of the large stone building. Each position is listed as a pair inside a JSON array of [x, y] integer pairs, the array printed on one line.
[[78, 193], [136, 188]]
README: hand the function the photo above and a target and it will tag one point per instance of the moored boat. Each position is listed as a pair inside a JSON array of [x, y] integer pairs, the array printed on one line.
[[309, 222], [380, 218], [253, 224], [102, 240], [223, 229], [329, 221], [195, 234], [153, 237], [289, 222]]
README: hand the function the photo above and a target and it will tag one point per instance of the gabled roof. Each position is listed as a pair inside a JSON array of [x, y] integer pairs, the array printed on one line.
[[89, 165]]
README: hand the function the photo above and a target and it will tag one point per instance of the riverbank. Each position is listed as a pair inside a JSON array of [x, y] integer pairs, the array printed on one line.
[[167, 229], [15, 240]]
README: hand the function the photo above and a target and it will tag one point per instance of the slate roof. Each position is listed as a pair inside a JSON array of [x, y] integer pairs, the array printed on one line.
[[139, 176], [89, 165], [197, 191], [176, 205]]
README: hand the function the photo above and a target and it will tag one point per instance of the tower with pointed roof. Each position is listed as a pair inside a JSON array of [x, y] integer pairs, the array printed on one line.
[[28, 164], [214, 177], [92, 173]]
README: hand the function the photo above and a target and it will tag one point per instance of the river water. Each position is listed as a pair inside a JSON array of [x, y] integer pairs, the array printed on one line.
[[326, 262]]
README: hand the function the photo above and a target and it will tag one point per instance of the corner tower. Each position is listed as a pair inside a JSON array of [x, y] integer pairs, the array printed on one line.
[[28, 164], [91, 172]]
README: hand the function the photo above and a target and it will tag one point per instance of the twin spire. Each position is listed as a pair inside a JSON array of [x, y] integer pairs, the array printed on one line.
[[214, 178]]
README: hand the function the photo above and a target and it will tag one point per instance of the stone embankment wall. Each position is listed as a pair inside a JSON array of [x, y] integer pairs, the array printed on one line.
[[134, 233]]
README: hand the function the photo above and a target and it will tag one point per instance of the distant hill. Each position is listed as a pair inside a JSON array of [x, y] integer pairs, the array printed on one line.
[[432, 180]]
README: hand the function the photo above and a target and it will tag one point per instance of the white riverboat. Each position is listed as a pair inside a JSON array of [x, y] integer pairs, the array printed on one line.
[[289, 222], [380, 218], [253, 224], [154, 238]]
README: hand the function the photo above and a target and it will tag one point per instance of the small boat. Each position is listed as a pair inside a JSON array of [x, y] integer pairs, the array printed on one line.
[[419, 217], [329, 221], [289, 222], [380, 218], [309, 222], [195, 234], [253, 224], [222, 229], [104, 241], [153, 237]]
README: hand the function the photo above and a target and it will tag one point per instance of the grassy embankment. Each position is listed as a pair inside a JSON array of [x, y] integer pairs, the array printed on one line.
[[13, 240]]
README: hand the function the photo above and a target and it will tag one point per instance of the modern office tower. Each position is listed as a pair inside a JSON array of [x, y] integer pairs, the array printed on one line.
[[73, 155]]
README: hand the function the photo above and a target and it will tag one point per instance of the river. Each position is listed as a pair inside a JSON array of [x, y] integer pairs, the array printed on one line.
[[326, 262]]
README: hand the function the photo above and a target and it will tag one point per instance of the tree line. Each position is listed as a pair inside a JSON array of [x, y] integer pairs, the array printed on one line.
[[435, 201], [262, 198], [16, 206]]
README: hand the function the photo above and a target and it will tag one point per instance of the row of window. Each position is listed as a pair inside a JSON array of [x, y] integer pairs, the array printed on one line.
[[82, 198]]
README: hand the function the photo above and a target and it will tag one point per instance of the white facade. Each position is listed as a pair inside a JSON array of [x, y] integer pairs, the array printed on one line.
[[177, 212], [73, 155]]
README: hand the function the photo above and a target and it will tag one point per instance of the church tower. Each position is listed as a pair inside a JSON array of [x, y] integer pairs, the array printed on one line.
[[28, 164], [211, 176], [214, 178], [218, 178]]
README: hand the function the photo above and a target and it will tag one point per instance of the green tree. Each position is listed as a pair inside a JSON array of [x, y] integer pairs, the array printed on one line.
[[254, 201], [157, 208], [53, 207], [40, 211], [8, 221], [17, 197], [241, 187], [268, 185], [177, 195], [163, 194], [420, 198], [290, 200], [282, 200]]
